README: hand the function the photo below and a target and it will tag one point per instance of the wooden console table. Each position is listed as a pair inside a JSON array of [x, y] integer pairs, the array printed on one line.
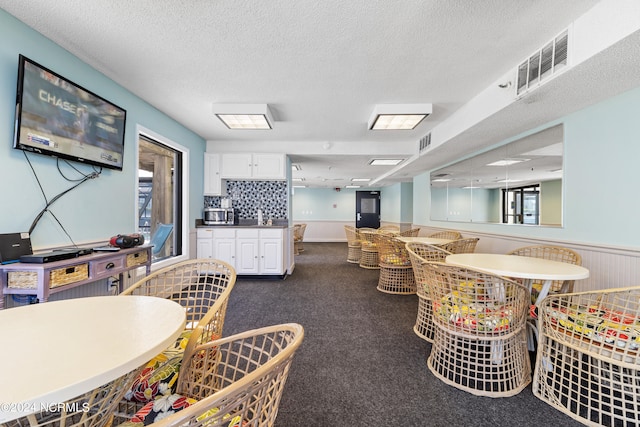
[[45, 279]]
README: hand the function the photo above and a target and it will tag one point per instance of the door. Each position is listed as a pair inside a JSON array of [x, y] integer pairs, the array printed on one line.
[[521, 205], [367, 209]]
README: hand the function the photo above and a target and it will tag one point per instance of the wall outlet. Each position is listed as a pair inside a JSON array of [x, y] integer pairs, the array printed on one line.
[[112, 282]]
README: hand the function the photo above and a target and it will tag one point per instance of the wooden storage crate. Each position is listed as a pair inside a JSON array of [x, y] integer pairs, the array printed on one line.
[[137, 258], [59, 277]]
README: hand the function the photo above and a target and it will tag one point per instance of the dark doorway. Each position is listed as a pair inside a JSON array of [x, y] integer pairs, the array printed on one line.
[[368, 209]]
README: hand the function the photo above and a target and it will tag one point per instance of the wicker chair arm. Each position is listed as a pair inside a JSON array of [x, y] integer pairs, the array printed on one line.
[[213, 374]]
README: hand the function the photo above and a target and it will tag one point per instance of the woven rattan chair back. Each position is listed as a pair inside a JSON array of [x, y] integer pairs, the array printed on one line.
[[354, 245], [413, 232], [396, 274], [589, 347], [554, 253], [447, 234], [389, 228], [480, 331], [298, 237], [240, 377], [418, 254], [93, 408], [352, 235], [462, 246], [201, 286], [369, 251]]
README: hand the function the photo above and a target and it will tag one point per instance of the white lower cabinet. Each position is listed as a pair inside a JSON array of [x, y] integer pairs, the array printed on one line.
[[257, 251], [204, 242], [271, 251], [224, 245]]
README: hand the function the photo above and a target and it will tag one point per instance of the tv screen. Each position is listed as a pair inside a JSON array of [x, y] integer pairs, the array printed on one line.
[[56, 117]]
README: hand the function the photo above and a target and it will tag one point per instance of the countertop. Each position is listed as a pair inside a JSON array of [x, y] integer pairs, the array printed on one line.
[[245, 224]]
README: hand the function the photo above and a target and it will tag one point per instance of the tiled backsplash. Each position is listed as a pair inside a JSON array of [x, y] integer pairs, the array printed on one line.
[[248, 196]]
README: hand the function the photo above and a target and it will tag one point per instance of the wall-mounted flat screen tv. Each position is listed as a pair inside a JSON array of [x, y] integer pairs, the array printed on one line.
[[56, 117]]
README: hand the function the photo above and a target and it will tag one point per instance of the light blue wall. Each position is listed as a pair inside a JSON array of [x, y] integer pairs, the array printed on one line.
[[601, 178], [98, 208], [326, 204], [390, 204]]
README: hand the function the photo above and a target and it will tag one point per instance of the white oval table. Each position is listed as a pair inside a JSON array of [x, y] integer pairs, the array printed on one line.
[[424, 239], [56, 351], [520, 267]]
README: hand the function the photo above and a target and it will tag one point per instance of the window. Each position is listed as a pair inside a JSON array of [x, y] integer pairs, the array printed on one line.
[[162, 213]]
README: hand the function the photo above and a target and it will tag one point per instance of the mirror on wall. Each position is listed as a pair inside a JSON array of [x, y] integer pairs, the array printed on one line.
[[517, 183]]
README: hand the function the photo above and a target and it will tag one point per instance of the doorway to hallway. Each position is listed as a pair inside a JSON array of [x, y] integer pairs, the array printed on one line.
[[367, 209]]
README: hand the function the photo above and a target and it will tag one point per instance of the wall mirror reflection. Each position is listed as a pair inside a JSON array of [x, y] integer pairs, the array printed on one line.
[[517, 183]]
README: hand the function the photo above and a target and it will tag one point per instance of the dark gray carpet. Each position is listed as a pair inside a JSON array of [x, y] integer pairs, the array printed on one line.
[[360, 363]]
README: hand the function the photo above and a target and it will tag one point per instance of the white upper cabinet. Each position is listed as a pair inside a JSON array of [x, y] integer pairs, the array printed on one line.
[[212, 179], [253, 166]]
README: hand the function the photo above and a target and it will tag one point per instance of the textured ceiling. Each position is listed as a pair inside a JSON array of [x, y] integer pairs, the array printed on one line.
[[320, 65]]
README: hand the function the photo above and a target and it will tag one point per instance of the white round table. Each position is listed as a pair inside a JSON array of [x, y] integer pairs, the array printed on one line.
[[426, 240], [520, 267], [58, 350]]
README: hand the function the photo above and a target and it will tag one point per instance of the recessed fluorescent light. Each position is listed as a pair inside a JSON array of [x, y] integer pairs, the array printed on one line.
[[297, 179], [295, 167], [507, 162], [385, 162], [352, 186], [509, 180], [244, 116], [441, 180], [398, 116], [471, 187], [299, 186], [360, 179]]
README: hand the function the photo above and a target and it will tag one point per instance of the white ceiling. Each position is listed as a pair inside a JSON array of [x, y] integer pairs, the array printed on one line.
[[322, 66]]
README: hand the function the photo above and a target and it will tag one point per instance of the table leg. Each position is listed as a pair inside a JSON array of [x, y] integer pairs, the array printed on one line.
[[546, 285]]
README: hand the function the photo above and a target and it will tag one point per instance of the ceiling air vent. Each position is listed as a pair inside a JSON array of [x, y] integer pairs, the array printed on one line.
[[544, 63], [425, 142]]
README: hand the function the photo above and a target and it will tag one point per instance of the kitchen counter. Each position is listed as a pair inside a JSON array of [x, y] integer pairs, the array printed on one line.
[[244, 224]]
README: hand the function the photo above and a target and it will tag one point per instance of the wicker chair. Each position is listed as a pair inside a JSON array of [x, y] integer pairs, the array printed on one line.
[[447, 234], [237, 380], [94, 408], [389, 228], [396, 274], [588, 359], [413, 232], [354, 245], [462, 246], [298, 238], [202, 287], [418, 254], [479, 344], [554, 253], [369, 249]]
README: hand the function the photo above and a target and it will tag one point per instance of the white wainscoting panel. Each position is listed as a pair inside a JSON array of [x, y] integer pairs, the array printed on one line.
[[609, 267]]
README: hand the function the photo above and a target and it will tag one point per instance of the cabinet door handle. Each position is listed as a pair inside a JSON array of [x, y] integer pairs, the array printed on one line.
[[109, 266]]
